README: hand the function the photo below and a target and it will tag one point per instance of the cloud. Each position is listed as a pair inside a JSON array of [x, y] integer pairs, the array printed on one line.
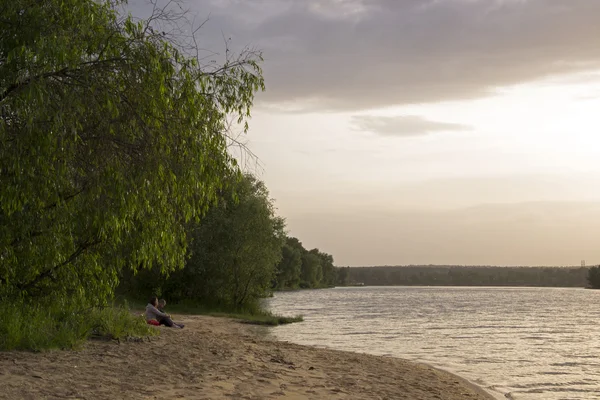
[[361, 54], [403, 126]]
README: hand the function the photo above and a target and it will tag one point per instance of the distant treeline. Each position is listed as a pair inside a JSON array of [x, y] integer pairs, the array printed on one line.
[[455, 275]]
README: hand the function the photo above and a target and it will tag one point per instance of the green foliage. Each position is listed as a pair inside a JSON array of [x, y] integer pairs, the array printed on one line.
[[38, 328], [290, 266], [204, 307], [304, 268], [55, 325], [328, 274], [117, 322], [593, 277], [111, 142], [342, 276], [311, 270], [234, 249], [431, 275], [239, 253], [266, 319], [138, 286], [251, 314]]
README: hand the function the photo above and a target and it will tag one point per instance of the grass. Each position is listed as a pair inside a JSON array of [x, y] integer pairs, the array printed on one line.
[[117, 322], [296, 289], [261, 319], [250, 315], [39, 327]]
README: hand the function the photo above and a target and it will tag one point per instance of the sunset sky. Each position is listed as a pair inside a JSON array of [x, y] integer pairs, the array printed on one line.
[[425, 131]]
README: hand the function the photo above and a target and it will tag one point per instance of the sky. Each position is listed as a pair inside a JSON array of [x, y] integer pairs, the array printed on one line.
[[397, 132]]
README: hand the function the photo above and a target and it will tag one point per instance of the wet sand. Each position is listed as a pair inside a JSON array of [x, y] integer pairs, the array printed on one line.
[[217, 358]]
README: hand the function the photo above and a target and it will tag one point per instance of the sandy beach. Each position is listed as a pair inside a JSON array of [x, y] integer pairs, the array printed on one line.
[[217, 358]]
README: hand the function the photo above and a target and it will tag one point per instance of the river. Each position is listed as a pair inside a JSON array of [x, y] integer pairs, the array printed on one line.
[[520, 343]]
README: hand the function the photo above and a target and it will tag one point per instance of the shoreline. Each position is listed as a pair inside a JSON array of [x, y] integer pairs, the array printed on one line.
[[493, 395], [465, 381], [214, 358]]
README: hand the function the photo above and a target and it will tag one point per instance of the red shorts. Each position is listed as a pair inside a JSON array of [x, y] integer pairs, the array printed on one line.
[[153, 322]]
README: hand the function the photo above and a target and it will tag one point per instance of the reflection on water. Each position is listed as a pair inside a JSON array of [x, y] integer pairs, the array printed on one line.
[[526, 343]]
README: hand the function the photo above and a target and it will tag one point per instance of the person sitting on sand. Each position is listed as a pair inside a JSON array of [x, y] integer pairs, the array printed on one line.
[[152, 313]]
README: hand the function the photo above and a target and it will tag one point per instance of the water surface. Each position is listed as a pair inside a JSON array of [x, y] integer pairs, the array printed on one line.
[[522, 343]]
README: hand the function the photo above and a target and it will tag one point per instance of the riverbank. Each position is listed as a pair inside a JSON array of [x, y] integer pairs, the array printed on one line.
[[214, 358]]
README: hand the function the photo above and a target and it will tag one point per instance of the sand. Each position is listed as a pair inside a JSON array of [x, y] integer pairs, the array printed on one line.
[[217, 358]]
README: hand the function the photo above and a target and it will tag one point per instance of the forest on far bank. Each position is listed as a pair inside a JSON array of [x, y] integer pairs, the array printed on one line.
[[458, 275]]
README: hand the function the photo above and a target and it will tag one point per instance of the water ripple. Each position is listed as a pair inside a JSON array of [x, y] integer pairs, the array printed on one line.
[[525, 343]]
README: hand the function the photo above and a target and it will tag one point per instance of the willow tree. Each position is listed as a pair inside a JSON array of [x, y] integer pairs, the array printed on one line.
[[111, 139]]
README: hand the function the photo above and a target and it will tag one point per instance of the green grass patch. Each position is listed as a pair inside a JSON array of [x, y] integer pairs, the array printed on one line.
[[39, 327], [250, 314], [118, 322], [260, 319]]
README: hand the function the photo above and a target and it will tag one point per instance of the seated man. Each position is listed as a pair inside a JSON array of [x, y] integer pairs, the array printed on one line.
[[161, 307]]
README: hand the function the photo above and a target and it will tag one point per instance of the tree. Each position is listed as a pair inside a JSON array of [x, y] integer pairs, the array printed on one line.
[[111, 141], [307, 269], [311, 270], [594, 277], [290, 266], [328, 272], [234, 250], [342, 276]]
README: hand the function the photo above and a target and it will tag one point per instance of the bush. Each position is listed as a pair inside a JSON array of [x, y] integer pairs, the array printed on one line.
[[117, 322], [40, 327], [35, 328]]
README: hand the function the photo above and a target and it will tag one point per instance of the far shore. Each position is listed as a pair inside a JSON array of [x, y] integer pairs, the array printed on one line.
[[219, 358]]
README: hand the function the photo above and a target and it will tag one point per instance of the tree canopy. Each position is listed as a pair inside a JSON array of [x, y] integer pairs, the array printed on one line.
[[112, 140], [302, 268], [115, 168], [234, 249], [238, 253]]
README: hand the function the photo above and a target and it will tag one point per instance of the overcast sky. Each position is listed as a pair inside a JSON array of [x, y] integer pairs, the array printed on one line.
[[425, 131]]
